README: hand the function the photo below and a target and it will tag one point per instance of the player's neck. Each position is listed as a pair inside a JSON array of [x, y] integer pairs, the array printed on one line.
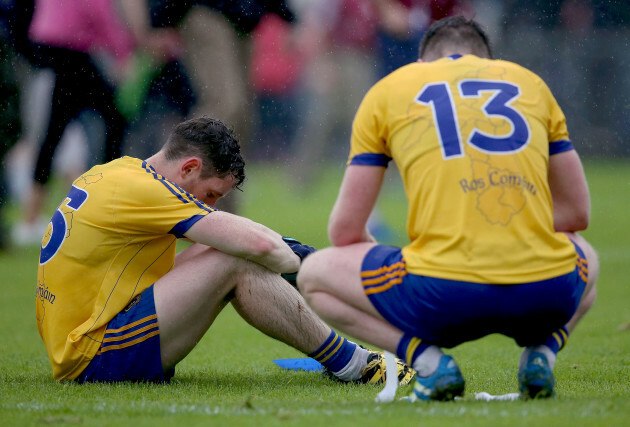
[[159, 163]]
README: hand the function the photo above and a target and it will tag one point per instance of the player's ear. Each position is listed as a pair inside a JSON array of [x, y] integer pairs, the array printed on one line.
[[189, 166]]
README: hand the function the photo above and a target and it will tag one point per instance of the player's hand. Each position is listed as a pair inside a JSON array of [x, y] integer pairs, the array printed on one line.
[[302, 251]]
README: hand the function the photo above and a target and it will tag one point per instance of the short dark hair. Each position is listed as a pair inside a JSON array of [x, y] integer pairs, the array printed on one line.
[[455, 31], [213, 142]]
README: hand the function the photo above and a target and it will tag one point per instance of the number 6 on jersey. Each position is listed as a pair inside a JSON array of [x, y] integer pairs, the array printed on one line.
[[75, 199]]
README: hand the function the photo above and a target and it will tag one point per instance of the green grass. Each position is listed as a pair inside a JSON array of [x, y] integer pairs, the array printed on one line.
[[229, 379]]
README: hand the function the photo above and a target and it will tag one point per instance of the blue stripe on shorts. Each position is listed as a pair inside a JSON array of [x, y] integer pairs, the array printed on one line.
[[449, 312], [131, 346]]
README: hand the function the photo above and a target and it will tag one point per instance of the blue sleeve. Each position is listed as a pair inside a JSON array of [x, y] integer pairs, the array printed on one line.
[[183, 226], [561, 146], [370, 159]]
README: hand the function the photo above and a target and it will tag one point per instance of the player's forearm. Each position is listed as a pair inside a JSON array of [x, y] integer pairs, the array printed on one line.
[[343, 233], [273, 253], [356, 200], [569, 192], [245, 238], [568, 220]]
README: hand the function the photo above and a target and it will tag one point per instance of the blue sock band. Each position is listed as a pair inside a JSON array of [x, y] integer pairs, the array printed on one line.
[[409, 348], [335, 352], [558, 340]]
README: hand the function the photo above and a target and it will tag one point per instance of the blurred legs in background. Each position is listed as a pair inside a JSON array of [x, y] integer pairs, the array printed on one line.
[[217, 59]]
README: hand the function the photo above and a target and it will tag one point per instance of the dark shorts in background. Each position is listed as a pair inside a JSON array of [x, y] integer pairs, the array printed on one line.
[[449, 312], [131, 346]]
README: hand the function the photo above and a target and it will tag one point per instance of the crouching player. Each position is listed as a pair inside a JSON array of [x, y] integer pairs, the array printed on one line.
[[496, 193]]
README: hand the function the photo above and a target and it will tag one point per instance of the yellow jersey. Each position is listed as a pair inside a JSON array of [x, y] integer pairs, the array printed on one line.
[[471, 138], [110, 239]]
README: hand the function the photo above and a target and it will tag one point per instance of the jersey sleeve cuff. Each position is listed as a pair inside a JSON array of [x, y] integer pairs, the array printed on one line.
[[561, 146], [183, 226], [370, 159]]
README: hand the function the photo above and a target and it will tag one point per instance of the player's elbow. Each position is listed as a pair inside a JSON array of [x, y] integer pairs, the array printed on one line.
[[335, 235], [260, 246], [342, 236], [338, 240], [582, 221], [577, 220]]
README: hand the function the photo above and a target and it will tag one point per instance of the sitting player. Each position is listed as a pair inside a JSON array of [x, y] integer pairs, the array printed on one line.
[[115, 302]]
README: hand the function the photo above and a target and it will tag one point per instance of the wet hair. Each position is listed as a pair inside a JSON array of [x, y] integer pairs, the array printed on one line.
[[213, 142], [455, 33]]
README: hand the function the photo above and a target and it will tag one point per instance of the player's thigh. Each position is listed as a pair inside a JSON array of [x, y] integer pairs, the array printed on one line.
[[336, 271], [191, 251], [189, 297]]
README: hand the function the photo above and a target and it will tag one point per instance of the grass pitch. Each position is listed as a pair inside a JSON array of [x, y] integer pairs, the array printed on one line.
[[229, 379]]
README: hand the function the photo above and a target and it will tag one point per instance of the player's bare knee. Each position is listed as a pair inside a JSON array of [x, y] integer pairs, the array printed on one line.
[[248, 271], [307, 278]]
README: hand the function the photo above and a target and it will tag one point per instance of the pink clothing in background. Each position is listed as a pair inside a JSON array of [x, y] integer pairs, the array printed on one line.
[[81, 25], [356, 25], [275, 63]]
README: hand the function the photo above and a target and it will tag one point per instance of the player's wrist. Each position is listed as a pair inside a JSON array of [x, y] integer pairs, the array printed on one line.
[[301, 251]]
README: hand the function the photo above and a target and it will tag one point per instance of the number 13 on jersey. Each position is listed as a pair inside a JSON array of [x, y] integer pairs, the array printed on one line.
[[439, 97]]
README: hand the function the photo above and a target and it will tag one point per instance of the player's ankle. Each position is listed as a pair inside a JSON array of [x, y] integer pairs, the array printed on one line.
[[543, 349], [352, 370], [335, 352], [427, 362]]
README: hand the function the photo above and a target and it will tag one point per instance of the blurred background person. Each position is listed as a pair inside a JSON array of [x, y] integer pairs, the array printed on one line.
[[217, 46], [402, 24], [66, 38], [349, 45], [158, 94], [117, 83], [276, 71], [339, 37], [10, 119], [33, 103]]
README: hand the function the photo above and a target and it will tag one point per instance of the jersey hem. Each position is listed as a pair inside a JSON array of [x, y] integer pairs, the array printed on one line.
[[491, 279]]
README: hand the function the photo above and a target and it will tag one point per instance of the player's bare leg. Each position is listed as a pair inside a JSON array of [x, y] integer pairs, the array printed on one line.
[[590, 292], [204, 280], [536, 363], [331, 284], [330, 281]]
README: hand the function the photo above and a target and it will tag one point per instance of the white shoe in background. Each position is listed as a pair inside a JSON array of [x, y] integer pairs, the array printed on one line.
[[29, 234]]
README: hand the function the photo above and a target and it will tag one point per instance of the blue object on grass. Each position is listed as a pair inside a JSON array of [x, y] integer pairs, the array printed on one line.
[[301, 364]]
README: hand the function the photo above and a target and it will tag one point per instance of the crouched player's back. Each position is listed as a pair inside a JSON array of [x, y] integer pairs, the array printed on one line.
[[471, 138]]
